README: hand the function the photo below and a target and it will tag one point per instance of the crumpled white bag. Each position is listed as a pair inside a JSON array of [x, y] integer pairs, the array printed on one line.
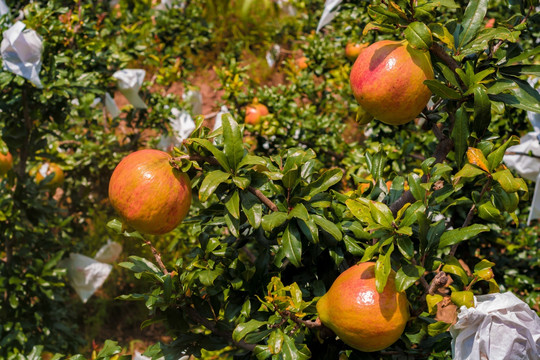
[[272, 55], [287, 7], [194, 98], [109, 252], [329, 13], [85, 274], [129, 84], [182, 124], [169, 4], [3, 8], [500, 326], [21, 52], [217, 122], [111, 106]]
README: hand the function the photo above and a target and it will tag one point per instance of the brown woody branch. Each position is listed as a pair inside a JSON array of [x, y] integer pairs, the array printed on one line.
[[441, 53], [157, 256], [212, 326]]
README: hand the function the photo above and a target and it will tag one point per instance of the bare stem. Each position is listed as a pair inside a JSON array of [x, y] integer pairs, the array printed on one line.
[[439, 51], [266, 201], [157, 256]]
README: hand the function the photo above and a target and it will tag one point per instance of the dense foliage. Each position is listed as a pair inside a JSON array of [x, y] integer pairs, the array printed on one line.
[[282, 207]]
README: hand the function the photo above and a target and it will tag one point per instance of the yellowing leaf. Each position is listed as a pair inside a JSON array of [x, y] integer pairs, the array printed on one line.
[[476, 157]]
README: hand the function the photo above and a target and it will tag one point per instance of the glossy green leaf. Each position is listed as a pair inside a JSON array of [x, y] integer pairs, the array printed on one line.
[[233, 205], [437, 328], [252, 207], [309, 229], [381, 214], [442, 90], [273, 220], [324, 182], [210, 183], [407, 275], [495, 158], [328, 226], [453, 266], [456, 236], [417, 190], [241, 330], [432, 301], [292, 245], [472, 21], [218, 154], [405, 247], [518, 93], [489, 212], [507, 180], [482, 110], [233, 146], [483, 265], [382, 269], [300, 212], [440, 32], [419, 36], [460, 134], [462, 298]]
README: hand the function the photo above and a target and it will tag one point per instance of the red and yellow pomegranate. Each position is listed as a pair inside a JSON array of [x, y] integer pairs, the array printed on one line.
[[6, 162], [352, 50], [254, 112], [387, 80], [148, 193], [47, 169], [363, 318]]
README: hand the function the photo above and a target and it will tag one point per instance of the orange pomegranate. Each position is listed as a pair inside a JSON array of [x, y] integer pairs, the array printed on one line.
[[47, 169], [352, 50], [254, 112], [363, 318], [148, 193], [387, 80], [6, 163]]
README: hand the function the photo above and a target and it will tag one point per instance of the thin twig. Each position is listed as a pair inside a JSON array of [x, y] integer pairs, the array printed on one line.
[[522, 154], [195, 157], [439, 51], [310, 324], [266, 201], [157, 256]]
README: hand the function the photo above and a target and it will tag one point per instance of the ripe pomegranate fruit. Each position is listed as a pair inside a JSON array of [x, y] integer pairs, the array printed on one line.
[[47, 169], [363, 318], [387, 81], [352, 50], [254, 112], [6, 163], [301, 63], [148, 193]]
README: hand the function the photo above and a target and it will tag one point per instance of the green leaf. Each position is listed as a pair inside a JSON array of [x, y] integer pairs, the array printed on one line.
[[381, 214], [442, 90], [482, 265], [462, 298], [495, 158], [292, 245], [109, 349], [472, 21], [251, 160], [489, 212], [453, 266], [139, 265], [381, 15], [419, 36], [327, 226], [437, 328], [289, 351], [482, 110], [405, 247], [252, 207], [219, 155], [468, 171], [524, 55], [415, 186], [375, 26], [507, 180], [300, 212], [383, 268], [352, 246], [208, 276], [233, 205], [324, 182], [241, 330], [375, 164], [273, 220], [485, 36], [233, 146], [210, 183], [460, 134], [520, 94], [441, 32], [407, 276], [432, 301], [458, 235], [241, 182]]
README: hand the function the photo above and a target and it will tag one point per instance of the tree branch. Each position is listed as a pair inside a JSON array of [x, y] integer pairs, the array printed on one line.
[[439, 51], [157, 256], [266, 201]]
